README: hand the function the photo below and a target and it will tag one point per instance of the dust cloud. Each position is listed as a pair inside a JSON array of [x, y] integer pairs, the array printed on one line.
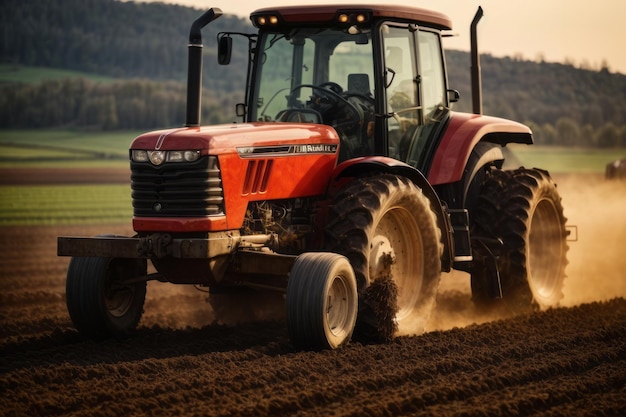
[[597, 260]]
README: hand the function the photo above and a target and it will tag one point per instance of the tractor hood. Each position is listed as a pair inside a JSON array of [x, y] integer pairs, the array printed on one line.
[[242, 163], [246, 140]]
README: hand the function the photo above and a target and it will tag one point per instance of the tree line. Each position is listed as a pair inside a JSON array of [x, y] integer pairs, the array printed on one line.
[[146, 104], [127, 104]]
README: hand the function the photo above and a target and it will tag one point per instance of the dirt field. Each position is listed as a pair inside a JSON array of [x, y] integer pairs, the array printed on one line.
[[562, 362]]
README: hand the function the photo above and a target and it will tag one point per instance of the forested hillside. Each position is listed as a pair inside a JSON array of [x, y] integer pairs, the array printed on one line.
[[119, 39], [144, 47]]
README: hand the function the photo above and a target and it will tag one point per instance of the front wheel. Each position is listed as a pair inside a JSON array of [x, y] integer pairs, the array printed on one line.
[[101, 298], [386, 227], [322, 301]]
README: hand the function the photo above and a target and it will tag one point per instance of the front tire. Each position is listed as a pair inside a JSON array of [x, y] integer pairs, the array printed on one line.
[[385, 226], [322, 301], [100, 300], [523, 209]]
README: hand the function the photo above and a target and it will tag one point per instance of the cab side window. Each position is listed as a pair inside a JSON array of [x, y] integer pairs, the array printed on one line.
[[401, 86], [432, 82]]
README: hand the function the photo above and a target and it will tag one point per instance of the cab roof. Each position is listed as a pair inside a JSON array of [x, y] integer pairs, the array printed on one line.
[[326, 14]]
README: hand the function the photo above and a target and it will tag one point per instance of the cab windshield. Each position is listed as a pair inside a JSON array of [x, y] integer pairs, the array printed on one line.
[[318, 76]]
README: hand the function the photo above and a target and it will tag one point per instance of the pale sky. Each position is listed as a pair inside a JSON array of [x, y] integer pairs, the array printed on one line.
[[578, 31]]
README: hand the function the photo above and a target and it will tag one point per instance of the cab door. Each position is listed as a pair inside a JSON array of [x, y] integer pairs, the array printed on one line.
[[415, 92], [401, 83]]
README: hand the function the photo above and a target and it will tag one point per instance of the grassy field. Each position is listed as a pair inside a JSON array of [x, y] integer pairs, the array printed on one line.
[[58, 148], [80, 204], [64, 204], [567, 160]]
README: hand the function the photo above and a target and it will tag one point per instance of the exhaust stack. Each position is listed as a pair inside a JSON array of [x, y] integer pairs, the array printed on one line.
[[477, 94], [194, 66]]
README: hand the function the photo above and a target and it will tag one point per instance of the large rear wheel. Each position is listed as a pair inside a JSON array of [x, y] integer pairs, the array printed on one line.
[[322, 301], [523, 209], [385, 226], [101, 297]]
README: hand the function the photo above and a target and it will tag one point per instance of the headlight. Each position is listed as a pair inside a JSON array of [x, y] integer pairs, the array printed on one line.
[[267, 20], [191, 156], [140, 156], [180, 156], [158, 157], [175, 156]]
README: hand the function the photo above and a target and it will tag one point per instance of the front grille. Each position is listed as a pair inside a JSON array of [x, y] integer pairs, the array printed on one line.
[[180, 189]]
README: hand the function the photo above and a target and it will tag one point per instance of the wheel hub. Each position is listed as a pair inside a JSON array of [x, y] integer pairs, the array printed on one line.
[[382, 256]]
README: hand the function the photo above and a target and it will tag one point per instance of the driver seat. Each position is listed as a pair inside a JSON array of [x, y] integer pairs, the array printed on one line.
[[359, 83]]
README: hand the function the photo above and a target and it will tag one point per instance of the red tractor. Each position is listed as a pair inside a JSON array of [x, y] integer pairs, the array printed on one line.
[[348, 184]]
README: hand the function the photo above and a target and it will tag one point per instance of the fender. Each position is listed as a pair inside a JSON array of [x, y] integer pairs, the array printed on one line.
[[359, 167], [483, 154], [462, 133]]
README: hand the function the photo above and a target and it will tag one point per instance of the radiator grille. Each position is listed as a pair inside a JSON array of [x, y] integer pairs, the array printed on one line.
[[181, 189]]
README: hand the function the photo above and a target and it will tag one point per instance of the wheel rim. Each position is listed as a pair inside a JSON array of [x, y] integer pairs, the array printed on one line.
[[545, 250], [398, 235], [118, 298], [338, 311]]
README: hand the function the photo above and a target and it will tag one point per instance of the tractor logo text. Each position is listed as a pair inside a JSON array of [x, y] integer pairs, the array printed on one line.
[[318, 148]]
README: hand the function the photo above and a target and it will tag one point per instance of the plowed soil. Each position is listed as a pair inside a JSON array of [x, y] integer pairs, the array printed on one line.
[[565, 361]]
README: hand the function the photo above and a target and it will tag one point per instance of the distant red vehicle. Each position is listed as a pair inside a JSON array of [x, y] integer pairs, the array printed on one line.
[[348, 169]]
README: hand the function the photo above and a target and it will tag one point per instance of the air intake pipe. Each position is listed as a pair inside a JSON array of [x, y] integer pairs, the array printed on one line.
[[194, 67], [477, 94]]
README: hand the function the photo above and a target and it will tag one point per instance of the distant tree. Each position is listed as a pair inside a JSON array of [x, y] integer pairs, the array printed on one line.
[[593, 115], [608, 136], [568, 131], [109, 113], [604, 66], [549, 135], [588, 135]]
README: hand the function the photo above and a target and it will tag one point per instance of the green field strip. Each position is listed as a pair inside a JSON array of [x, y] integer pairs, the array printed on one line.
[[63, 148], [567, 160], [111, 144], [23, 153], [64, 204]]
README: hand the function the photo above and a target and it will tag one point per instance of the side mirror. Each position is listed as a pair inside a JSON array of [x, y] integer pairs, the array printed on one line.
[[240, 109], [389, 79], [224, 50], [453, 96]]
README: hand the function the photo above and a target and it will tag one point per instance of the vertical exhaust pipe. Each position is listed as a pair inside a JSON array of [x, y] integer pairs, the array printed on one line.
[[477, 89], [194, 66]]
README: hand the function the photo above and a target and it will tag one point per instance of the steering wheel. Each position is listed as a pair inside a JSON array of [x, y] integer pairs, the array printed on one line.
[[333, 86], [334, 108]]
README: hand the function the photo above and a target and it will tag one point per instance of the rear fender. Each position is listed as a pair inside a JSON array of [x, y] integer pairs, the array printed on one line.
[[484, 154], [463, 132], [360, 167]]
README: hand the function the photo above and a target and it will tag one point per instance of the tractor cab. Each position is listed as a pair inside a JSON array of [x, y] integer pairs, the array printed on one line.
[[377, 78]]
